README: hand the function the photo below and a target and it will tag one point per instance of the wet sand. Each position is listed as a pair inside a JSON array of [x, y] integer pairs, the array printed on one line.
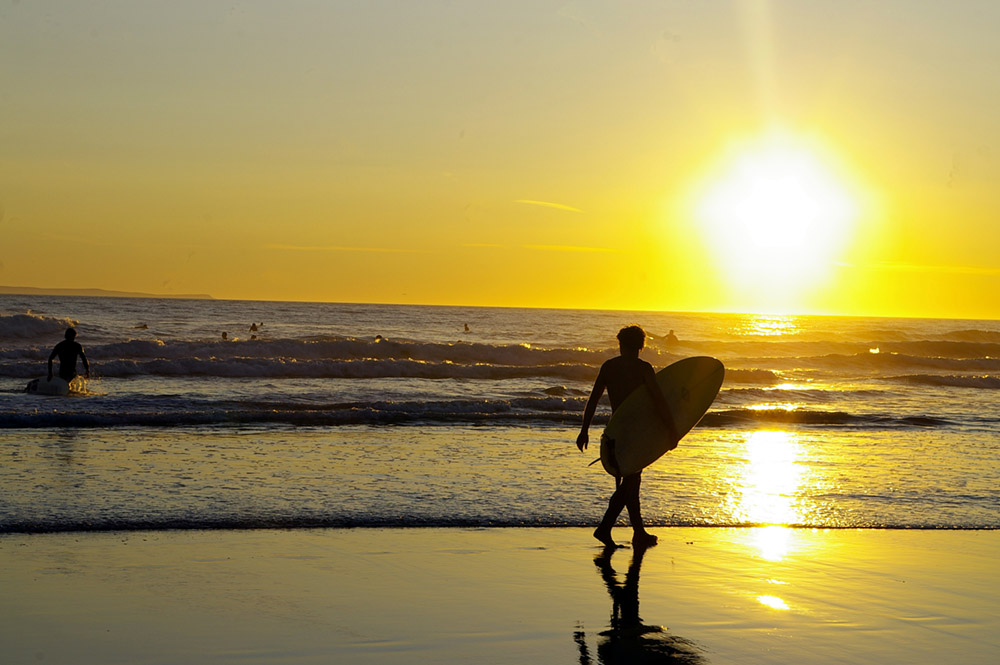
[[550, 596]]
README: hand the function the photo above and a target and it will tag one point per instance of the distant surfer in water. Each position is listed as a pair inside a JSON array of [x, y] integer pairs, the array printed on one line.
[[620, 376], [67, 351]]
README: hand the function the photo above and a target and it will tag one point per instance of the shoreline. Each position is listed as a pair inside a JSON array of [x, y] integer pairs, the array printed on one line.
[[178, 526], [501, 594]]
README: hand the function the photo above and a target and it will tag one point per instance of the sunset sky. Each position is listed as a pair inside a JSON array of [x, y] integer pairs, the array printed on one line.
[[814, 157]]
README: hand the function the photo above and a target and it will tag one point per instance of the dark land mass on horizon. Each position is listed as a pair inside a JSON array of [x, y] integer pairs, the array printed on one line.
[[97, 293]]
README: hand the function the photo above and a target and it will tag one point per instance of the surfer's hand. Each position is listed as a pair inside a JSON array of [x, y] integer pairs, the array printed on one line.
[[582, 441]]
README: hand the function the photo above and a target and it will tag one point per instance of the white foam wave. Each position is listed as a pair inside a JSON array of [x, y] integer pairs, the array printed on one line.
[[30, 326]]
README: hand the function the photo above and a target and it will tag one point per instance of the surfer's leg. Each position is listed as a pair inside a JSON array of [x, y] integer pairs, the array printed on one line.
[[630, 488], [615, 505]]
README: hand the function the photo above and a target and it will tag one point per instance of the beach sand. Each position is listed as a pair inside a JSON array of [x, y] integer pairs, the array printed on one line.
[[541, 595]]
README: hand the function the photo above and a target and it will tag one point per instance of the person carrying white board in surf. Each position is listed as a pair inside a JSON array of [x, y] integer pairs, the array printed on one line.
[[68, 351]]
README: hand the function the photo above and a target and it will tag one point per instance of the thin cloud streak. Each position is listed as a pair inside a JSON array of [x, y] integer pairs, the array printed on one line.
[[544, 248], [570, 248], [547, 204], [341, 248]]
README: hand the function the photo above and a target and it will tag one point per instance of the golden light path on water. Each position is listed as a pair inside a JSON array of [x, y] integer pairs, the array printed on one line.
[[764, 492], [765, 486], [769, 325]]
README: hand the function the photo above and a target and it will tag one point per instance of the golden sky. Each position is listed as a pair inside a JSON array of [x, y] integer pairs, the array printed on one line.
[[785, 156]]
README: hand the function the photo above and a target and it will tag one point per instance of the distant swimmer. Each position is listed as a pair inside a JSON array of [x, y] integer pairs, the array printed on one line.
[[253, 327], [467, 328], [68, 351], [671, 337], [225, 336], [620, 376]]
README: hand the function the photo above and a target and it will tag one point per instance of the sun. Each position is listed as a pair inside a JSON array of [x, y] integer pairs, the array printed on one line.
[[776, 213]]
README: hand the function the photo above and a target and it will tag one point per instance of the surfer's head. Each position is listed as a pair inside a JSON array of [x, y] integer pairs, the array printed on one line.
[[632, 338], [71, 333]]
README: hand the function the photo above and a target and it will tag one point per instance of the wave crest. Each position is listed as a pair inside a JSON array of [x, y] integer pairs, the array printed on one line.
[[28, 326]]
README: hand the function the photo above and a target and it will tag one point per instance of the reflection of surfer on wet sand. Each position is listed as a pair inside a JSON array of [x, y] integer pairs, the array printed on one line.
[[628, 640]]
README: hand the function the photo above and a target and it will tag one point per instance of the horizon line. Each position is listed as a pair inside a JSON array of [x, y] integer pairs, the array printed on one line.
[[110, 293]]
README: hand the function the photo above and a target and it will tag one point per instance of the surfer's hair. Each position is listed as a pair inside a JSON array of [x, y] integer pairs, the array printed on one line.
[[632, 337], [70, 333]]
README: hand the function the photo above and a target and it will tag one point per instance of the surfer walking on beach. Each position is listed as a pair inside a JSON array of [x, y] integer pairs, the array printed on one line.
[[620, 376], [68, 351]]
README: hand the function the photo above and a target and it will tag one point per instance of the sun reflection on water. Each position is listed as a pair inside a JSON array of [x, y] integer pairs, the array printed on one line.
[[765, 487], [769, 325]]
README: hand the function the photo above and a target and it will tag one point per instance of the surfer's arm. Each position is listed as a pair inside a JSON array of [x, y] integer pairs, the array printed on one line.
[[86, 364], [51, 358], [662, 408], [590, 410]]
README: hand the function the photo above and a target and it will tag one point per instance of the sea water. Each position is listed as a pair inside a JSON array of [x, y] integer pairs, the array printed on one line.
[[379, 415]]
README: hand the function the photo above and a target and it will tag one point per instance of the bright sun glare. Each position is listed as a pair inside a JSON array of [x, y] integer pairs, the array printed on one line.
[[776, 213]]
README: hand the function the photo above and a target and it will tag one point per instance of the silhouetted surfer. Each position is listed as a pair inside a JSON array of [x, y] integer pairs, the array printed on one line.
[[620, 376], [67, 351]]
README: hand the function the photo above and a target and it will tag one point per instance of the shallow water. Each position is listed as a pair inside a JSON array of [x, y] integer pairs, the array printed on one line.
[[317, 423]]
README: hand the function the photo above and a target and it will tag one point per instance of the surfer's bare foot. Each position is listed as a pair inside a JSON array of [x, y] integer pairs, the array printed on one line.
[[641, 540], [604, 537]]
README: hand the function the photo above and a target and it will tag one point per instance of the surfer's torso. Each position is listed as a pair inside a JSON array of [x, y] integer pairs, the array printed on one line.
[[622, 375], [67, 351]]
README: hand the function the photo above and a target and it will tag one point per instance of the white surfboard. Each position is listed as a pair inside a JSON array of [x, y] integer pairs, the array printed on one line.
[[636, 436], [46, 386]]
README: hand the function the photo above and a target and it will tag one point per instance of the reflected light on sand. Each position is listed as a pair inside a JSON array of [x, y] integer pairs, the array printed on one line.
[[773, 602], [773, 542]]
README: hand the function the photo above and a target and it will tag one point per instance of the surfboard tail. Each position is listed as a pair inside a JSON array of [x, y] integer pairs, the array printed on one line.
[[608, 456]]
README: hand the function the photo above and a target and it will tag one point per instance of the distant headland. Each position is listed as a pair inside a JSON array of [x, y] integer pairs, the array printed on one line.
[[96, 293]]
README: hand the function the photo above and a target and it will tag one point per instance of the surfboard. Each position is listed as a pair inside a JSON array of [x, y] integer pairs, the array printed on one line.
[[636, 436], [46, 386]]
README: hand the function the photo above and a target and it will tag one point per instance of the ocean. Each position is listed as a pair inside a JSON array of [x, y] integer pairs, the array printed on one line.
[[354, 415]]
